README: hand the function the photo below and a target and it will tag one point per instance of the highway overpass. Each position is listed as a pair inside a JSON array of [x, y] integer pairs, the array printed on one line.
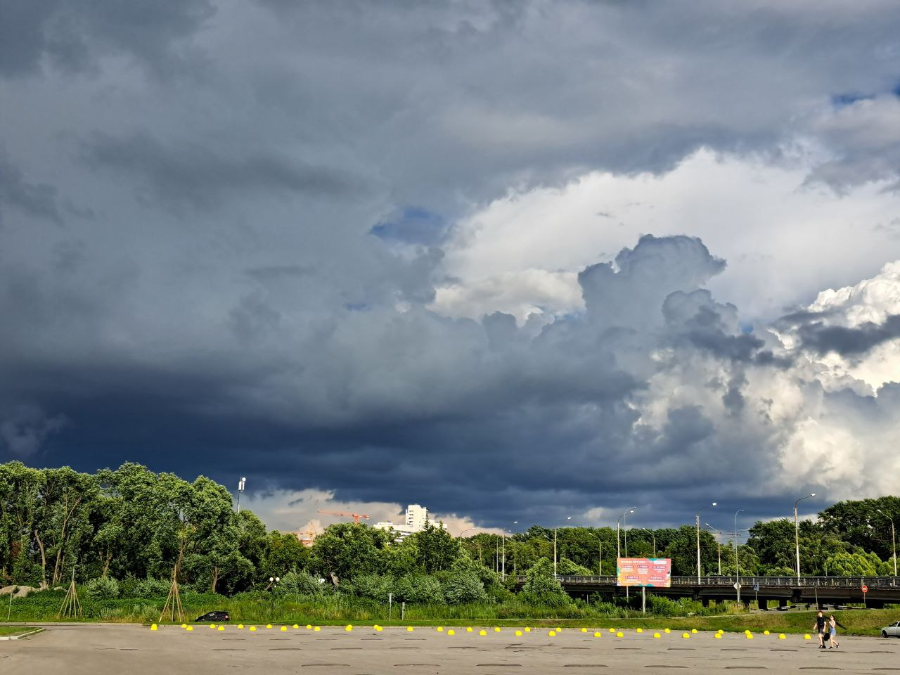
[[786, 590]]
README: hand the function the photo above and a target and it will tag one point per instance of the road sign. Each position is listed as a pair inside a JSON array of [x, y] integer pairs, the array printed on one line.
[[756, 587], [737, 586], [865, 589]]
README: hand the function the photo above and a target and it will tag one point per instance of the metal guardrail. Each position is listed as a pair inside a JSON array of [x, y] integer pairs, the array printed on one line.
[[762, 582]]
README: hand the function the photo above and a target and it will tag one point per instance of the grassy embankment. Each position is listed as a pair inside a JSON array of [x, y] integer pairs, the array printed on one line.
[[335, 610], [7, 631]]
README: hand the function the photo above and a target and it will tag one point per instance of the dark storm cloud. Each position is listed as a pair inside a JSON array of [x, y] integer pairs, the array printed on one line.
[[183, 174], [822, 338], [270, 333], [71, 35], [38, 200], [457, 406]]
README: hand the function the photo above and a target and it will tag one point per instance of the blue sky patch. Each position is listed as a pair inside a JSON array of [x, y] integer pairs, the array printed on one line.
[[412, 225]]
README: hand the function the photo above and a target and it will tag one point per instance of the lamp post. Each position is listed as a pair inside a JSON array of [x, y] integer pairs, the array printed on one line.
[[797, 532], [699, 511], [241, 484], [718, 544], [600, 558], [893, 538], [503, 573], [554, 547], [618, 544], [737, 562]]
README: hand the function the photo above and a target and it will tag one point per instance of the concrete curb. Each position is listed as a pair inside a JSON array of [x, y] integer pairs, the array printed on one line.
[[21, 635]]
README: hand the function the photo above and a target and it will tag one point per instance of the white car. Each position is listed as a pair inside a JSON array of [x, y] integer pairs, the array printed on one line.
[[891, 631]]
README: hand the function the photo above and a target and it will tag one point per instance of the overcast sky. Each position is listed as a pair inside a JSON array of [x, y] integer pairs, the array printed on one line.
[[512, 260]]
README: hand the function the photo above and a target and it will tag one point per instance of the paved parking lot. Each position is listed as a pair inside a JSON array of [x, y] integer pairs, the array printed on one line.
[[134, 650]]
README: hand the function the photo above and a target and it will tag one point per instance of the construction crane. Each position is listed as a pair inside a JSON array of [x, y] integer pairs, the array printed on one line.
[[355, 516]]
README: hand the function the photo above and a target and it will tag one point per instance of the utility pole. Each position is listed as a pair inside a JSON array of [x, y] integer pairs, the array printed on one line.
[[698, 542], [797, 532], [893, 538], [737, 562]]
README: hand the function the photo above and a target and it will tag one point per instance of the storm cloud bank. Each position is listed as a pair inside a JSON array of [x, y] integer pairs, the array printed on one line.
[[394, 256]]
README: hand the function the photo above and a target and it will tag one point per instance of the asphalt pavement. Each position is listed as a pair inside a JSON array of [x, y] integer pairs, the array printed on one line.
[[171, 650]]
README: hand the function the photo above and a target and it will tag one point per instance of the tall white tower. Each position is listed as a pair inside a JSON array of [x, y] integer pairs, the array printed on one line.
[[416, 517]]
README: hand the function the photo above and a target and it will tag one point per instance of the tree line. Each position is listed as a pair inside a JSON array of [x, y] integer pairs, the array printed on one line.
[[133, 525]]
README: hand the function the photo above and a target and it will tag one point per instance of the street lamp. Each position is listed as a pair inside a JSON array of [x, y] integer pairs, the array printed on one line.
[[653, 536], [503, 573], [718, 544], [618, 545], [554, 547], [699, 511], [737, 562], [893, 538], [241, 484], [797, 532]]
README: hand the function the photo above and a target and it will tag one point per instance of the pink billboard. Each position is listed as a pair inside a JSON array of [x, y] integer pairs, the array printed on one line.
[[644, 572]]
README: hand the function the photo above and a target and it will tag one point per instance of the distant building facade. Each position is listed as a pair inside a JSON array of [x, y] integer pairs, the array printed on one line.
[[415, 521]]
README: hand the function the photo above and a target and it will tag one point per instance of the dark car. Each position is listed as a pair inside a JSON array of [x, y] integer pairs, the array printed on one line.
[[213, 616]]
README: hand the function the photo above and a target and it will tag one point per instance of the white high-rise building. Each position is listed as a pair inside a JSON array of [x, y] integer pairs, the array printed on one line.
[[416, 517]]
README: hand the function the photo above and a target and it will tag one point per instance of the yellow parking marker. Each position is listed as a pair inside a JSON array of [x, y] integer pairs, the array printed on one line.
[[620, 634], [212, 626], [656, 635], [440, 629], [781, 636], [765, 632], [482, 633], [552, 633], [584, 630], [451, 632], [348, 628], [693, 630], [598, 634], [268, 625], [189, 628], [527, 629], [718, 636], [469, 629], [378, 629], [309, 626], [316, 629], [284, 629], [667, 631], [612, 630], [518, 633], [221, 628], [409, 629], [184, 625], [296, 626], [252, 629], [154, 627], [640, 630], [685, 636], [240, 626]]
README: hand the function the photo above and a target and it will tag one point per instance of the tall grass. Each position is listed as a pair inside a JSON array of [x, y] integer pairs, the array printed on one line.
[[336, 608]]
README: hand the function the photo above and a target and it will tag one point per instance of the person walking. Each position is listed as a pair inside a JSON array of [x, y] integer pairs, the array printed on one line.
[[819, 627], [832, 625]]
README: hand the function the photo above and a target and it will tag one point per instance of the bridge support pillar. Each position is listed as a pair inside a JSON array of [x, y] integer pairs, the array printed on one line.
[[762, 603], [875, 604], [782, 602], [704, 601]]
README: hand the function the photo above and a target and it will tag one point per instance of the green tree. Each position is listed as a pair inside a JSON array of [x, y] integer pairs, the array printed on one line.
[[350, 549], [541, 588]]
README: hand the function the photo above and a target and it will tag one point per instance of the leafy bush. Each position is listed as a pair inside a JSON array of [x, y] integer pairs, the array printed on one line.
[[103, 588], [568, 568], [373, 586], [301, 584], [419, 588], [541, 588], [462, 587]]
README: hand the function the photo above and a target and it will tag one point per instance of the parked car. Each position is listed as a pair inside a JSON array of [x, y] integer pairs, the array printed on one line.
[[213, 616], [891, 631]]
